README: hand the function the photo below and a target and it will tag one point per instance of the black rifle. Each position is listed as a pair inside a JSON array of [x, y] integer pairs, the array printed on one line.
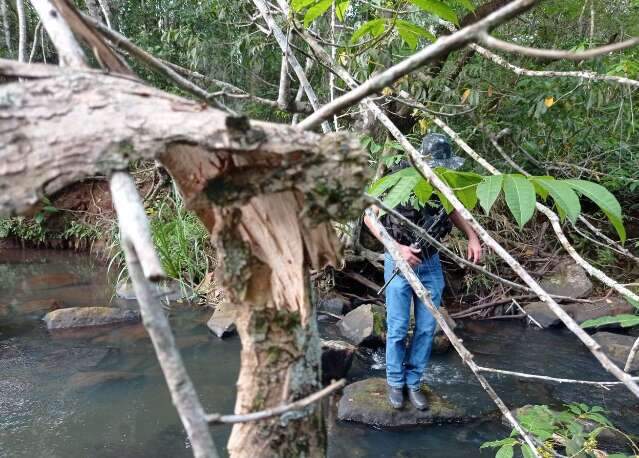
[[416, 244]]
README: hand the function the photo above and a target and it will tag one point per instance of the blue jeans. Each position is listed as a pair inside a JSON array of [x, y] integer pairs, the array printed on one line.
[[406, 366]]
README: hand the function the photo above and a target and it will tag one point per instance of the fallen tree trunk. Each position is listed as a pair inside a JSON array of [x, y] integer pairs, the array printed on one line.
[[266, 192]]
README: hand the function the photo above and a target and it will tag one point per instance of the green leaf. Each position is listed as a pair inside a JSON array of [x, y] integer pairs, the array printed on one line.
[[520, 197], [437, 8], [465, 4], [444, 201], [463, 184], [423, 190], [411, 33], [402, 190], [488, 191], [388, 181], [299, 5], [500, 443], [373, 27], [526, 451], [565, 198], [340, 9], [505, 452], [316, 11], [625, 320], [604, 199], [597, 417]]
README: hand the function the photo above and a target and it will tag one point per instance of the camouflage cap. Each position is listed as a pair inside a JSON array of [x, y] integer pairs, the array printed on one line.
[[438, 152]]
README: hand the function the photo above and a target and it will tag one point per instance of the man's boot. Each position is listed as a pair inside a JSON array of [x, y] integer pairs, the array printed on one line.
[[418, 399], [396, 397]]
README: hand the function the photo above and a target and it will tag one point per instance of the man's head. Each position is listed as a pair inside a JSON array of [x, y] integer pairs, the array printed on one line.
[[438, 152]]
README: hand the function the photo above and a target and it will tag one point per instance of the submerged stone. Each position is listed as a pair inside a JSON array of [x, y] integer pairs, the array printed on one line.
[[366, 325], [171, 290], [50, 281], [84, 380], [617, 348], [366, 402], [77, 317]]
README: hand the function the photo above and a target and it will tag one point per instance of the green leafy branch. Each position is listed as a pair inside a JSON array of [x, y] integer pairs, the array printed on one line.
[[519, 192]]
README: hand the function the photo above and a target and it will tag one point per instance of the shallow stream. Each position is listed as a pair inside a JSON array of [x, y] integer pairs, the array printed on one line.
[[100, 393]]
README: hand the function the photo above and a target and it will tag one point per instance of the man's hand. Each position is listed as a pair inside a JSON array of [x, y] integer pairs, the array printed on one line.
[[474, 250], [410, 254]]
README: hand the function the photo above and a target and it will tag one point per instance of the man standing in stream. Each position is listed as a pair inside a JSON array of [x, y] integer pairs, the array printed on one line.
[[405, 366]]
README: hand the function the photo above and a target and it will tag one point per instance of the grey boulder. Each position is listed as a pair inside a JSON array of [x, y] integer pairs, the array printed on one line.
[[567, 279], [366, 325]]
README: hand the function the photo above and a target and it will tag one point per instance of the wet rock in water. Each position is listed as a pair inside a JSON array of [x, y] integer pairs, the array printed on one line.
[[579, 311], [130, 333], [171, 290], [366, 325], [541, 313], [187, 342], [617, 348], [222, 322], [334, 303], [77, 317], [337, 358], [366, 402], [76, 358], [84, 380], [567, 279], [50, 281]]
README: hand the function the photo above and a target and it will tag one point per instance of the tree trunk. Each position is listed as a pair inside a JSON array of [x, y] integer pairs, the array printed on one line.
[[266, 192]]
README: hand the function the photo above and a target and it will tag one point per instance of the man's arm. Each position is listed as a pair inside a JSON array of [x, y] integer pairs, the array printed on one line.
[[409, 254], [474, 245]]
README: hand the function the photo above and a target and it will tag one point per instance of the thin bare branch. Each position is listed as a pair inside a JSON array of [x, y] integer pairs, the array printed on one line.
[[551, 379], [121, 42], [5, 26], [35, 41], [297, 68], [631, 355], [22, 31], [495, 43], [442, 46], [279, 410]]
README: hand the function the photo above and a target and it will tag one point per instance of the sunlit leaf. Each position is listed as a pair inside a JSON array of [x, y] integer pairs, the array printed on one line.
[[549, 101], [340, 10], [316, 11], [520, 197], [386, 182], [488, 191], [437, 8], [505, 452], [299, 5], [465, 96], [373, 27], [402, 190]]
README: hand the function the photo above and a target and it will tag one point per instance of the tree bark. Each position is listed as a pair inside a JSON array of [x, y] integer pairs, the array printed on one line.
[[266, 192]]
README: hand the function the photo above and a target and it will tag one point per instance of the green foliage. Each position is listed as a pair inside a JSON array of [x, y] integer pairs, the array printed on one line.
[[624, 320], [180, 239], [439, 9], [572, 431], [520, 193]]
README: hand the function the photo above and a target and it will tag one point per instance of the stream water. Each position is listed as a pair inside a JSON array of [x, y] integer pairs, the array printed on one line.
[[100, 392]]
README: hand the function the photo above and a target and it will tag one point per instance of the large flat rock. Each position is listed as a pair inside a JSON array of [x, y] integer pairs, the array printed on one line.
[[222, 322], [78, 317], [366, 402]]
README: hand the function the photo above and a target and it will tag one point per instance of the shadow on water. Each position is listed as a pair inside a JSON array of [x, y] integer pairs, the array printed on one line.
[[100, 392]]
